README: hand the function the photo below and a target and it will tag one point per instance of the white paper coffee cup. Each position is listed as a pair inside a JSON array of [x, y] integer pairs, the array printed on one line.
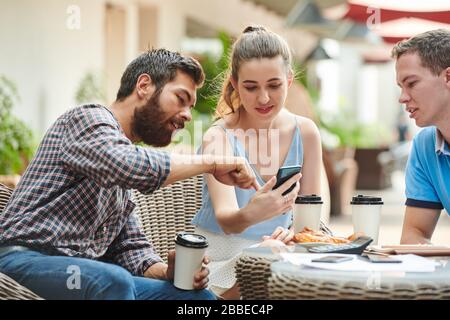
[[307, 210], [366, 213], [189, 252]]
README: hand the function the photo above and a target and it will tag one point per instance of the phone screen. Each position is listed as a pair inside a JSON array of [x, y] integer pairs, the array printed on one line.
[[332, 259], [284, 174]]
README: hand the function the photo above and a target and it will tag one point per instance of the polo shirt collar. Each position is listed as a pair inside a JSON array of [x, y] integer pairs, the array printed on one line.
[[441, 146]]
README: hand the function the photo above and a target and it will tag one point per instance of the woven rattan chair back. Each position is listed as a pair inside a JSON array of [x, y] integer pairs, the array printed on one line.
[[169, 210], [9, 289], [5, 194]]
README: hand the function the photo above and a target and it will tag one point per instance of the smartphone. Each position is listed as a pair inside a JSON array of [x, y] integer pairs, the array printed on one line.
[[332, 259], [382, 259], [284, 174]]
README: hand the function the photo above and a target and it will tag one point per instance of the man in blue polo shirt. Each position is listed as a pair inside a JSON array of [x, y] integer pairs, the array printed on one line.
[[423, 74]]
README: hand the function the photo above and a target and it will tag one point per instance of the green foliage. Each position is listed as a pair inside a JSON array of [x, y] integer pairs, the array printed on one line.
[[215, 70], [342, 128], [351, 133], [301, 76], [16, 139], [207, 97], [91, 89]]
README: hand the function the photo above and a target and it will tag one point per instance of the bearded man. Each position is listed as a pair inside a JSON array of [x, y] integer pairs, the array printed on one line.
[[73, 208]]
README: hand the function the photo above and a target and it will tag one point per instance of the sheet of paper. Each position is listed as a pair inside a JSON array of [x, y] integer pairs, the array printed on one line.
[[410, 263]]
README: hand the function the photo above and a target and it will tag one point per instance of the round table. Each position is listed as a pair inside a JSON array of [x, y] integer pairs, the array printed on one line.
[[288, 281]]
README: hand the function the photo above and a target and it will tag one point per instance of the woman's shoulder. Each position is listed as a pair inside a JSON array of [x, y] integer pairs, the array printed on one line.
[[308, 130], [220, 126], [306, 125], [217, 128], [215, 133]]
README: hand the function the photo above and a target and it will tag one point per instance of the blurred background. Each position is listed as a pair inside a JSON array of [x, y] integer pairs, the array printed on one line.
[[55, 54]]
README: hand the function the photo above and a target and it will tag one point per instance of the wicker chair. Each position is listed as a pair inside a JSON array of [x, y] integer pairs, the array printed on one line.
[[10, 289], [169, 210], [162, 214]]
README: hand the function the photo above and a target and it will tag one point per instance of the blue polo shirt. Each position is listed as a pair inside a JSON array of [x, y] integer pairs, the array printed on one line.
[[428, 171]]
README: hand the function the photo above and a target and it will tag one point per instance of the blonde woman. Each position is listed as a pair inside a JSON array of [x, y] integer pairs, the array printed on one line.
[[253, 123]]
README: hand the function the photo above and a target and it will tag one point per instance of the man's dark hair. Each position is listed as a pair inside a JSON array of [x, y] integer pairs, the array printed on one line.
[[161, 65], [433, 48]]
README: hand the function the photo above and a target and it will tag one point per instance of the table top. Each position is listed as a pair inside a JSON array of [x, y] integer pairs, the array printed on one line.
[[441, 275]]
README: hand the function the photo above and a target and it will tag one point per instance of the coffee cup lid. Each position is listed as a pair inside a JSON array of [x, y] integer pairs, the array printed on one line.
[[191, 240], [368, 200], [309, 199]]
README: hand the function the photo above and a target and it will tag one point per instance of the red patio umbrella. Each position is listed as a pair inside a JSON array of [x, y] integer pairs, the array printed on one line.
[[404, 28], [438, 11], [396, 20]]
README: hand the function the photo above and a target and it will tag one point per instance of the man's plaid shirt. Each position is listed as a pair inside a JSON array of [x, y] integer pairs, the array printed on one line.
[[74, 197]]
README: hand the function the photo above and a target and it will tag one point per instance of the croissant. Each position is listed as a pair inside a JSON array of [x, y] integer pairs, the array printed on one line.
[[309, 235]]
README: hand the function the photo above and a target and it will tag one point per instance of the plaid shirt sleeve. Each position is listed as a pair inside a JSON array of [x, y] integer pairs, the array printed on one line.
[[95, 147], [132, 250]]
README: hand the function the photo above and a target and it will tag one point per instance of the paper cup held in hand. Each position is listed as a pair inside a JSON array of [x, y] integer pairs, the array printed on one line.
[[190, 249]]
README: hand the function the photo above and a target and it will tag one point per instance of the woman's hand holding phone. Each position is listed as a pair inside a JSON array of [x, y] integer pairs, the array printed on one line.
[[284, 173], [268, 203]]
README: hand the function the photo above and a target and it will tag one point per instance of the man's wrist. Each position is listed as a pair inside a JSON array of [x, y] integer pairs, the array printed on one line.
[[210, 161], [157, 271]]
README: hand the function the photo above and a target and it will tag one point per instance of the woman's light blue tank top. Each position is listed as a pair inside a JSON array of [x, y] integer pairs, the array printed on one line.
[[205, 217]]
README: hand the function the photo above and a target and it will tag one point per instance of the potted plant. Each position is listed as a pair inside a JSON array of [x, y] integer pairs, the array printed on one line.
[[207, 97], [16, 139], [91, 88], [362, 142]]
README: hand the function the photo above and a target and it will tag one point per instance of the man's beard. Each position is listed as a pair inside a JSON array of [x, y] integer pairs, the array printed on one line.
[[150, 123]]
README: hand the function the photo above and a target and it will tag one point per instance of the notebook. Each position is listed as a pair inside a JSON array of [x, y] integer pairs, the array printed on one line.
[[424, 250]]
